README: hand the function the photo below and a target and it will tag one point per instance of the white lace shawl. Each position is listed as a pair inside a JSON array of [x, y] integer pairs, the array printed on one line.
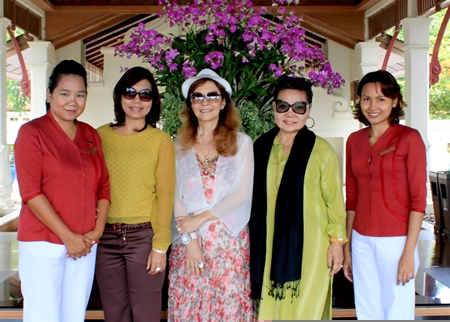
[[232, 188]]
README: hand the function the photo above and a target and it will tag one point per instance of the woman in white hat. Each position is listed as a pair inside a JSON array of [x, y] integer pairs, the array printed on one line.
[[209, 262]]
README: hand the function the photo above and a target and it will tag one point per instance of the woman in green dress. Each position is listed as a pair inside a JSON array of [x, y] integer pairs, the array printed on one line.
[[297, 224]]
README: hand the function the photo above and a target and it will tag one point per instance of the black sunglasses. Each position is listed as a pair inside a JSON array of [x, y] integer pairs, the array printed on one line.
[[298, 107], [211, 97], [130, 93]]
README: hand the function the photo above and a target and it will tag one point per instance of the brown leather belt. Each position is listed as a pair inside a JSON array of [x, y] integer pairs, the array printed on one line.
[[121, 227]]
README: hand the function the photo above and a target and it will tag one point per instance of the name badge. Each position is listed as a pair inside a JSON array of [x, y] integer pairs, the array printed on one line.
[[392, 148]]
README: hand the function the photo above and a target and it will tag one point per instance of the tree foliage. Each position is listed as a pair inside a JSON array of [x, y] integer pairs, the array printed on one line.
[[15, 99], [440, 92]]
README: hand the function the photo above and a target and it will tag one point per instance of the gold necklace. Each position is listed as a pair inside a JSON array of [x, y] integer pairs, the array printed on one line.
[[206, 165]]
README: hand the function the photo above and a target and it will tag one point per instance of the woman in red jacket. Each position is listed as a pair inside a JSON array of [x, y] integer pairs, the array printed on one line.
[[63, 178], [386, 199]]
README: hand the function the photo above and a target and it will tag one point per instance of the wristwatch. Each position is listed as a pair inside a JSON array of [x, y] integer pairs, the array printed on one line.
[[186, 238]]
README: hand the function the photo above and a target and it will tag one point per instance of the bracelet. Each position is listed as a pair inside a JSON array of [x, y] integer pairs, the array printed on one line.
[[337, 240], [160, 251]]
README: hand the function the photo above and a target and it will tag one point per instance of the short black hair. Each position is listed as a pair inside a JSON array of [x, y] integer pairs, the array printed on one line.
[[65, 68], [296, 83], [130, 78]]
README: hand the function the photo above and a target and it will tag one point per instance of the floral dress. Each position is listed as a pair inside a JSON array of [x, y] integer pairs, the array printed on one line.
[[222, 292]]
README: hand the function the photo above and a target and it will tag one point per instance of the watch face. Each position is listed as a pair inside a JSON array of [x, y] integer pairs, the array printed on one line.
[[186, 239]]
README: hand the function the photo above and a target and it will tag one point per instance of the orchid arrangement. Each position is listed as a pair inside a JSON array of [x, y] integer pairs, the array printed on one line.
[[250, 47]]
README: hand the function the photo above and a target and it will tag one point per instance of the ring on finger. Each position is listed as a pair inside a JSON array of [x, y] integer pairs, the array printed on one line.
[[157, 268], [179, 229], [200, 264]]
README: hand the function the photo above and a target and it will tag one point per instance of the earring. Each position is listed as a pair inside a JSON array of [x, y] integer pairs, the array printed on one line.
[[314, 123]]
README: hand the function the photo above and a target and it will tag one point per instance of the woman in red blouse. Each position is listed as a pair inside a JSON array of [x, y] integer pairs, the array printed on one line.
[[63, 179], [386, 199]]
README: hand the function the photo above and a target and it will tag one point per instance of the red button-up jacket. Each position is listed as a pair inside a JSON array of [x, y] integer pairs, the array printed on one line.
[[71, 174], [384, 183]]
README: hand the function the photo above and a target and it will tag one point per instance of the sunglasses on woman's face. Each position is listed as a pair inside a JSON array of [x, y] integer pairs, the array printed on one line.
[[298, 107], [211, 97], [130, 93]]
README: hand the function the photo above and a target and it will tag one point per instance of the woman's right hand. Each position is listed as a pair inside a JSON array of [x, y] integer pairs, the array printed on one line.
[[348, 264], [194, 255], [77, 245]]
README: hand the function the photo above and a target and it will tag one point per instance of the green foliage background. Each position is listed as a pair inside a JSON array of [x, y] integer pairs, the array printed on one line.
[[15, 99], [440, 92], [255, 121]]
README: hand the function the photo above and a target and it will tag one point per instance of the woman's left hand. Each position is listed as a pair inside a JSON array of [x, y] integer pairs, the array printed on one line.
[[94, 235], [189, 224], [156, 262], [335, 257], [405, 269]]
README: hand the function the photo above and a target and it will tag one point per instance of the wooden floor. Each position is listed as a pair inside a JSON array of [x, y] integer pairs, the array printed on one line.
[[432, 284]]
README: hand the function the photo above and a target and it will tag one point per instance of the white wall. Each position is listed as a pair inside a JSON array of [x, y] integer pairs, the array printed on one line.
[[439, 138], [14, 121], [99, 109], [75, 51], [334, 121]]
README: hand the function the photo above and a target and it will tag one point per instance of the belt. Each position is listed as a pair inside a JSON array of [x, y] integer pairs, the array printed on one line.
[[121, 227]]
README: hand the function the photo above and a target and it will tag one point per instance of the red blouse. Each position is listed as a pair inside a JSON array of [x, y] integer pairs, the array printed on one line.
[[71, 174], [384, 183]]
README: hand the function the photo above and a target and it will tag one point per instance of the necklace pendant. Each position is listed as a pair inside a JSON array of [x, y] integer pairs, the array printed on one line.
[[205, 166]]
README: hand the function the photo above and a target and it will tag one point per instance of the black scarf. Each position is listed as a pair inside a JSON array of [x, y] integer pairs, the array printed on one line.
[[287, 251]]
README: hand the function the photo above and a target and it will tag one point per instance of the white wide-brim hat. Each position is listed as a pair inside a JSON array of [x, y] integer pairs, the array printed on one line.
[[204, 73]]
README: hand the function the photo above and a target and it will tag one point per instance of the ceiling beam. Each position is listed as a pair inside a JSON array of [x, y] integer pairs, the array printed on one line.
[[122, 27], [44, 5], [116, 9], [65, 28], [23, 44], [366, 4], [347, 28]]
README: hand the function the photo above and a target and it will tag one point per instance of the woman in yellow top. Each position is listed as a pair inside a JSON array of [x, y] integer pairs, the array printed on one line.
[[297, 223], [141, 162]]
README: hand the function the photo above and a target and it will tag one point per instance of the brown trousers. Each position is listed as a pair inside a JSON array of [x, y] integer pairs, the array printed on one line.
[[127, 291]]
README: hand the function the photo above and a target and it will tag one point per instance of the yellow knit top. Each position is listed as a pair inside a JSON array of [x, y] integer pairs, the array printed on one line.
[[142, 176]]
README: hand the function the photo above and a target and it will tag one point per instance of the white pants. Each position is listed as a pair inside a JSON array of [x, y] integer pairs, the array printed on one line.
[[55, 288], [375, 267]]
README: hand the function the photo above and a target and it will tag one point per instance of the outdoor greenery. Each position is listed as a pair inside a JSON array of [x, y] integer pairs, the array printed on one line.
[[440, 92], [249, 47], [15, 99]]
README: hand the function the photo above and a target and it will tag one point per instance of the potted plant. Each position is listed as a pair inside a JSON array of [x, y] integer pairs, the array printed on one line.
[[249, 47]]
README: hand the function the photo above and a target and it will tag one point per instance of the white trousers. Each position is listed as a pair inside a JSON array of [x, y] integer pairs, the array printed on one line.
[[375, 266], [54, 288]]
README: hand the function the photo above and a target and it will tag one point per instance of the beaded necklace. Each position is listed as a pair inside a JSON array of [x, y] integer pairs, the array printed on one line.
[[206, 165]]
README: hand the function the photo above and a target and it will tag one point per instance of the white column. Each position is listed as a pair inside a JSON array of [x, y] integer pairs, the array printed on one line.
[[5, 173], [366, 58], [42, 53], [416, 49]]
